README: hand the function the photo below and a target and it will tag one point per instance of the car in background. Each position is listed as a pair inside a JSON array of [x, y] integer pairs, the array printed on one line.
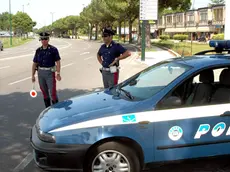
[[1, 45], [174, 110]]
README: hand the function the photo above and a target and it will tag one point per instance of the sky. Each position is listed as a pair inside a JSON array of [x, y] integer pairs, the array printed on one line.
[[40, 10]]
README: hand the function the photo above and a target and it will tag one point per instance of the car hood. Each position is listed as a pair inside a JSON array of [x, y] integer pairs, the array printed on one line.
[[82, 108]]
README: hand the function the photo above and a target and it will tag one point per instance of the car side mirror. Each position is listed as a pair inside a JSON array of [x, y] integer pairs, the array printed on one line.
[[171, 102]]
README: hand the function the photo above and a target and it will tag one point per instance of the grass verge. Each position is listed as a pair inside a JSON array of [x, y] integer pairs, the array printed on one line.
[[15, 41], [184, 48]]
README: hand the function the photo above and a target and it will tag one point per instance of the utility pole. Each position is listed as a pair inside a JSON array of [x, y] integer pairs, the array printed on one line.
[[23, 8], [10, 23], [52, 13]]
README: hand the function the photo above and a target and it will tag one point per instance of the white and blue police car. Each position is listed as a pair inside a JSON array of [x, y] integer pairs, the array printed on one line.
[[174, 110]]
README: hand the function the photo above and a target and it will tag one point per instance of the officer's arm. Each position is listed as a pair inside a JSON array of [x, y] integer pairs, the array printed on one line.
[[123, 51], [34, 66], [58, 66], [99, 59], [124, 55], [99, 56], [35, 63]]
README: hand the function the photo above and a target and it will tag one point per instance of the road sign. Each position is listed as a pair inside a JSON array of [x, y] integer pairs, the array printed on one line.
[[148, 9]]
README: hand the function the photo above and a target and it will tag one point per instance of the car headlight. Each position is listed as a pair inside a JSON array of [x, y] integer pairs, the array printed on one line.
[[46, 137]]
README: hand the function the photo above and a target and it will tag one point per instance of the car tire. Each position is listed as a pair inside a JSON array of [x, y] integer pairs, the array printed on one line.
[[113, 154]]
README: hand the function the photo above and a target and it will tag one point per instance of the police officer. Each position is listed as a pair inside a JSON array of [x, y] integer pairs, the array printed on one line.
[[109, 55], [47, 62]]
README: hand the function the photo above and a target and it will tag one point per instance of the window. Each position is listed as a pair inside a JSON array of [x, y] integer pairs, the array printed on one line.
[[203, 16], [179, 18], [154, 79], [169, 19], [218, 14], [203, 89]]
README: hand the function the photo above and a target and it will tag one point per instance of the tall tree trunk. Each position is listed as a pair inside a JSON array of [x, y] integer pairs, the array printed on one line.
[[119, 25], [147, 31], [124, 30], [130, 30], [96, 34]]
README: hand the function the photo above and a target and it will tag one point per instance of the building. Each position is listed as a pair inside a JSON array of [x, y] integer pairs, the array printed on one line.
[[203, 21]]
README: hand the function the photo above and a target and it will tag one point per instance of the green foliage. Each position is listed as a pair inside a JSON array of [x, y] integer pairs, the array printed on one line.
[[5, 21], [180, 37], [22, 23], [218, 2], [218, 37], [164, 37]]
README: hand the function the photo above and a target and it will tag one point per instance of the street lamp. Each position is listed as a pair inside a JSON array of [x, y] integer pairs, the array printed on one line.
[[10, 23]]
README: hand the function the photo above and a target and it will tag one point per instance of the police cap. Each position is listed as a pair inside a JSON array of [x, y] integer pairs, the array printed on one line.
[[44, 35], [108, 31]]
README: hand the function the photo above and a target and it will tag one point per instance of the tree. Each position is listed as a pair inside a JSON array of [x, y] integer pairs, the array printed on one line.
[[5, 21], [22, 23], [218, 2]]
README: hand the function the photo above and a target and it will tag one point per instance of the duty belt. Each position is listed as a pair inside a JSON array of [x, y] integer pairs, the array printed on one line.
[[108, 69], [53, 69]]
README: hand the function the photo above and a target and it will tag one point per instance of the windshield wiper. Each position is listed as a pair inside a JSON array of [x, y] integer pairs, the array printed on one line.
[[126, 93]]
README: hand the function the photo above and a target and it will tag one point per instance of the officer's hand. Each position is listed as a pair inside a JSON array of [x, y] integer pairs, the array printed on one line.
[[33, 78], [58, 77]]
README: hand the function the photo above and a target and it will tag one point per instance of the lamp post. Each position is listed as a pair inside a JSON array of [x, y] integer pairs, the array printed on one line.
[[10, 23]]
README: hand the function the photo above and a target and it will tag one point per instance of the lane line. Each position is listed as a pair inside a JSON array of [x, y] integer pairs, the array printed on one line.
[[26, 55], [23, 163], [21, 80], [16, 57], [88, 58], [4, 67], [84, 53], [67, 65]]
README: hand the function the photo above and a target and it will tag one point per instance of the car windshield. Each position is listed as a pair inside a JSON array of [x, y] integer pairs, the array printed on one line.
[[149, 82]]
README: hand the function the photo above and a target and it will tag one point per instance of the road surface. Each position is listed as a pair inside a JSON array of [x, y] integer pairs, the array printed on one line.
[[80, 74]]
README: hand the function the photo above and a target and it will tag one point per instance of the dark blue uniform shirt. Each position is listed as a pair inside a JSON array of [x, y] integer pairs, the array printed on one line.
[[111, 52], [46, 57]]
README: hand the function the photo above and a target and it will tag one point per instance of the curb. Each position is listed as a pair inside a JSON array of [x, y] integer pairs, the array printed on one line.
[[169, 50]]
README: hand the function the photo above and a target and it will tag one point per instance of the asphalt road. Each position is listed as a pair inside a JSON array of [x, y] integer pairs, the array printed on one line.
[[80, 74]]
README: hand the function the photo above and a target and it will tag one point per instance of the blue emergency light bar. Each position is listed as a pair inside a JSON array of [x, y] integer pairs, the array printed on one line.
[[220, 44]]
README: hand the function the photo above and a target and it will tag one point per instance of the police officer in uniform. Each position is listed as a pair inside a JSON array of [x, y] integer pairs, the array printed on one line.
[[47, 63], [109, 55]]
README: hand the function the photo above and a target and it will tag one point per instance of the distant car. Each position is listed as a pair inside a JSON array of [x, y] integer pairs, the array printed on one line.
[[1, 45], [174, 110]]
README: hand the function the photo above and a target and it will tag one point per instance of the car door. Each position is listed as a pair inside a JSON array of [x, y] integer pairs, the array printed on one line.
[[191, 132]]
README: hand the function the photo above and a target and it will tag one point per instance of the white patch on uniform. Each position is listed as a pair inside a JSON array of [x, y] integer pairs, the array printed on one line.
[[152, 116]]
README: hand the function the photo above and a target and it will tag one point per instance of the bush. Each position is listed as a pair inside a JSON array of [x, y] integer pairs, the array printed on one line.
[[166, 44], [164, 37], [218, 37], [180, 37]]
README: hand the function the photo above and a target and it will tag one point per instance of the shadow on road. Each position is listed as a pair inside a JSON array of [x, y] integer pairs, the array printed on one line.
[[18, 112]]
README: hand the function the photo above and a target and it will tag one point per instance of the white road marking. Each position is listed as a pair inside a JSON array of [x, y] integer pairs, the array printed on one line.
[[12, 83], [21, 80], [26, 55], [88, 58], [4, 67], [23, 163], [16, 57], [67, 65], [84, 53]]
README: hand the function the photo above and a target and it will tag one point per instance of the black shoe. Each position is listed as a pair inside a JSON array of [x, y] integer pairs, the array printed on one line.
[[47, 102], [54, 102]]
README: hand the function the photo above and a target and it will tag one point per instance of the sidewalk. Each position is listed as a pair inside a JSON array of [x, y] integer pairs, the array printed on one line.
[[154, 57], [133, 64]]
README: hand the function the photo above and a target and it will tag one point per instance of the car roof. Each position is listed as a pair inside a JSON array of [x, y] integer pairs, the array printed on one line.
[[202, 61]]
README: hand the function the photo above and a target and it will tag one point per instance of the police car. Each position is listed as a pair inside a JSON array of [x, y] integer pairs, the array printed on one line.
[[174, 110]]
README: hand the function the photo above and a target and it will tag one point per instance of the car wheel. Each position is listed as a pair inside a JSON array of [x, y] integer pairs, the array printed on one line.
[[112, 157]]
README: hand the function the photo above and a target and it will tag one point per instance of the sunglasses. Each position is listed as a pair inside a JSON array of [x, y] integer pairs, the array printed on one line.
[[44, 39], [104, 36]]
